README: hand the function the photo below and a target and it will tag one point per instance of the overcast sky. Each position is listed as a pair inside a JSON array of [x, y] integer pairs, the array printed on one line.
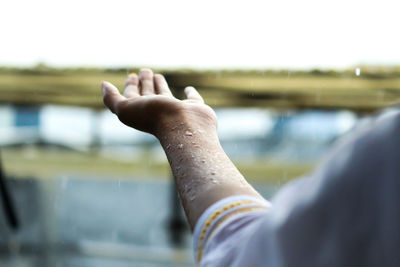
[[200, 34]]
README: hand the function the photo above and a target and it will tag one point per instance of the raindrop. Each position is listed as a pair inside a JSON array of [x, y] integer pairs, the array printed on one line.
[[284, 175], [318, 97], [114, 236], [64, 182], [381, 95]]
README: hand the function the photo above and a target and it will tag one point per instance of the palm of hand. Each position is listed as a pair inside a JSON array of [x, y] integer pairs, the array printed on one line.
[[148, 104]]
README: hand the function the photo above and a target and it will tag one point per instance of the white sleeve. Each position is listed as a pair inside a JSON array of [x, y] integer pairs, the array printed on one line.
[[221, 226], [346, 213]]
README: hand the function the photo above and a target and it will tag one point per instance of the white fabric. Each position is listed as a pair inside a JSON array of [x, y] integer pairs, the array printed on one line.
[[346, 213], [229, 208]]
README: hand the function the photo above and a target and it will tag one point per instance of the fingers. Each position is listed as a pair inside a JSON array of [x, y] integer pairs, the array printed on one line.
[[146, 83], [131, 86], [192, 94], [161, 85], [111, 96]]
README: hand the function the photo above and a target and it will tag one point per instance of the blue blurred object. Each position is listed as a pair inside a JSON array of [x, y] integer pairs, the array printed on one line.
[[27, 116]]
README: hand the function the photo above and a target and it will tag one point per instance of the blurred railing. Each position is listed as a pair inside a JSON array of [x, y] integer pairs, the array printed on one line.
[[363, 89]]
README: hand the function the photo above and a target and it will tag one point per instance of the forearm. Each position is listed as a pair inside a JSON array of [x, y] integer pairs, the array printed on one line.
[[187, 130], [203, 172]]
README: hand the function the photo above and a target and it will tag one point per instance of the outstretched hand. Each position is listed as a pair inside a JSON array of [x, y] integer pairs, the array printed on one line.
[[149, 106], [187, 130]]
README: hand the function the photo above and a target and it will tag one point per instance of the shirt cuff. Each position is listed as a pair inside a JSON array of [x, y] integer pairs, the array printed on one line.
[[218, 213]]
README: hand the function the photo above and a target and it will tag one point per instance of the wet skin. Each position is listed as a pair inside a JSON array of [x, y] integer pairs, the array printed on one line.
[[187, 130]]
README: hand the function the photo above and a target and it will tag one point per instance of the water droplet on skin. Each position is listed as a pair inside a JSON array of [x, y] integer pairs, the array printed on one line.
[[180, 146], [168, 146], [243, 183], [214, 181], [203, 161], [187, 133]]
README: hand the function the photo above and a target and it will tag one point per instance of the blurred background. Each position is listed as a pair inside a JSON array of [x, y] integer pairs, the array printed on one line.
[[78, 188]]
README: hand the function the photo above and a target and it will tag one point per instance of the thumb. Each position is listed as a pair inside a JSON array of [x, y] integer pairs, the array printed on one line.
[[192, 94], [111, 96]]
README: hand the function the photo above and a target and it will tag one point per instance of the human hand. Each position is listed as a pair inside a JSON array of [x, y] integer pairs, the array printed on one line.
[[149, 106]]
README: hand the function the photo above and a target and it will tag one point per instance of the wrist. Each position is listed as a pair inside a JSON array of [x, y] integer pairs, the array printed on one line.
[[186, 122]]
